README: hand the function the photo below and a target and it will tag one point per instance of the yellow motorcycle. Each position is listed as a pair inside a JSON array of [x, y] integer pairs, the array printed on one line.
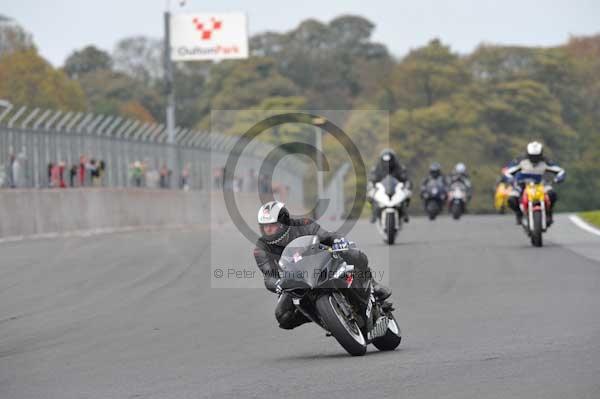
[[503, 191], [534, 205]]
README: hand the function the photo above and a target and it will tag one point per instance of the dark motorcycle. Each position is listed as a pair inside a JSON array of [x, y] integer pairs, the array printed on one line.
[[323, 288], [434, 196]]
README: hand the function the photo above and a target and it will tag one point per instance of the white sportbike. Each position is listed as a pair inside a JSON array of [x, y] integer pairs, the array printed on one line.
[[390, 197]]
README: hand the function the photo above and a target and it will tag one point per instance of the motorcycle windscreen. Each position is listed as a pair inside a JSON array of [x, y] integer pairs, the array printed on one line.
[[389, 183], [303, 260]]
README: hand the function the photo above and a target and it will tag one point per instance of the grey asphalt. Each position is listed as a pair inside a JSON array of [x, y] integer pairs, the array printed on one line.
[[133, 315]]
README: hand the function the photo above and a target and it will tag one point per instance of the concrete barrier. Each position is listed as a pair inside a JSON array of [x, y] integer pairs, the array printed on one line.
[[49, 212], [25, 213]]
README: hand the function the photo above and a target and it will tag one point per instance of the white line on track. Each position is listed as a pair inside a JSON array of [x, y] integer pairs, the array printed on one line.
[[577, 221]]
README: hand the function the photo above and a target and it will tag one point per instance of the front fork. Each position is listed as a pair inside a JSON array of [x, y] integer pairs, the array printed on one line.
[[530, 211], [383, 218]]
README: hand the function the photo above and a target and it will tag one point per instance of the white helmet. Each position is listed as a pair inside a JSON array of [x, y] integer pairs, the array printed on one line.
[[535, 151], [269, 212], [274, 212], [460, 168]]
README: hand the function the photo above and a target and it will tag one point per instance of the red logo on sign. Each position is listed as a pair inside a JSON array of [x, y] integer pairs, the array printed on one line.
[[206, 29]]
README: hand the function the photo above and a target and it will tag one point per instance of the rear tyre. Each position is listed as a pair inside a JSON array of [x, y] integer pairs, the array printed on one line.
[[392, 337], [346, 332], [536, 229], [390, 226]]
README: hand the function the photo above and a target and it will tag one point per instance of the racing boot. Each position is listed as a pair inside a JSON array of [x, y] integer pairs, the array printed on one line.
[[380, 291], [519, 216], [292, 320], [549, 219]]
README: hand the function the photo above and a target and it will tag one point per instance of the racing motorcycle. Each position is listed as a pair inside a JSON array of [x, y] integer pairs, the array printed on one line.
[[324, 288], [457, 199], [390, 197], [534, 205], [433, 196]]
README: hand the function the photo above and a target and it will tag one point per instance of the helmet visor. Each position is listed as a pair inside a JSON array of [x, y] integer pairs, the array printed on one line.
[[271, 229]]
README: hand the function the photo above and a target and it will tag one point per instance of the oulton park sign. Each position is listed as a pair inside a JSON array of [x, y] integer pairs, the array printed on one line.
[[209, 36]]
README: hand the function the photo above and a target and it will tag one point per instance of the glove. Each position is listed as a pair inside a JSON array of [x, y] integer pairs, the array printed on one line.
[[340, 244], [278, 289], [273, 285]]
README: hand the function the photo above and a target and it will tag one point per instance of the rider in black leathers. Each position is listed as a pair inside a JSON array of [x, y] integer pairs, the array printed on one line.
[[388, 164], [435, 174], [270, 246]]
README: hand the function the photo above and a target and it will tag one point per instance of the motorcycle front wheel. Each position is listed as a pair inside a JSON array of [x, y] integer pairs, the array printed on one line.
[[344, 330], [432, 208], [536, 229], [456, 210], [390, 227]]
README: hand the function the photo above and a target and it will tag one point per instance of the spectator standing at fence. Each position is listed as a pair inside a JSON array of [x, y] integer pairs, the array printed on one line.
[[164, 176], [61, 174], [185, 177], [20, 169], [72, 175], [10, 178], [53, 178], [94, 169], [218, 178], [136, 173], [49, 173], [81, 172]]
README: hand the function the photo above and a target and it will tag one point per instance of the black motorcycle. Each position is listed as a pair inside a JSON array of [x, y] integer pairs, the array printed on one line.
[[324, 288], [434, 196]]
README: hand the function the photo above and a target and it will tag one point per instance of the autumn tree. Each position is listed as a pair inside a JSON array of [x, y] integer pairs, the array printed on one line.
[[28, 79]]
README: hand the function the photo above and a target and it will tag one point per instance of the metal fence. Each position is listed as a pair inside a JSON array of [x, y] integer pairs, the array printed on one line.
[[33, 139]]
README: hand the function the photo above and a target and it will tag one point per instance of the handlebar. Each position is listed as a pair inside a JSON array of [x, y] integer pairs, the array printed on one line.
[[351, 245]]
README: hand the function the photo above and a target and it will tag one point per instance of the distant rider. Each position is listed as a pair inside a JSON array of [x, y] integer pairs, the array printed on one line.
[[435, 175], [278, 230], [387, 165], [459, 175], [533, 166]]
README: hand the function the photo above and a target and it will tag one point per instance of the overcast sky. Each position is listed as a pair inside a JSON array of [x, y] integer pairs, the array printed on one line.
[[60, 26]]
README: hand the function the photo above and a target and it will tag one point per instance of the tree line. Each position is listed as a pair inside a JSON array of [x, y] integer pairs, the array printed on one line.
[[479, 108]]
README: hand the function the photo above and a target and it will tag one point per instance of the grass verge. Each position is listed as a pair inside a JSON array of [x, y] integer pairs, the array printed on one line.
[[592, 217]]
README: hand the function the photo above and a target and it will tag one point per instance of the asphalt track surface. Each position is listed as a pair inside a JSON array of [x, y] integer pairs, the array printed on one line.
[[133, 315]]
